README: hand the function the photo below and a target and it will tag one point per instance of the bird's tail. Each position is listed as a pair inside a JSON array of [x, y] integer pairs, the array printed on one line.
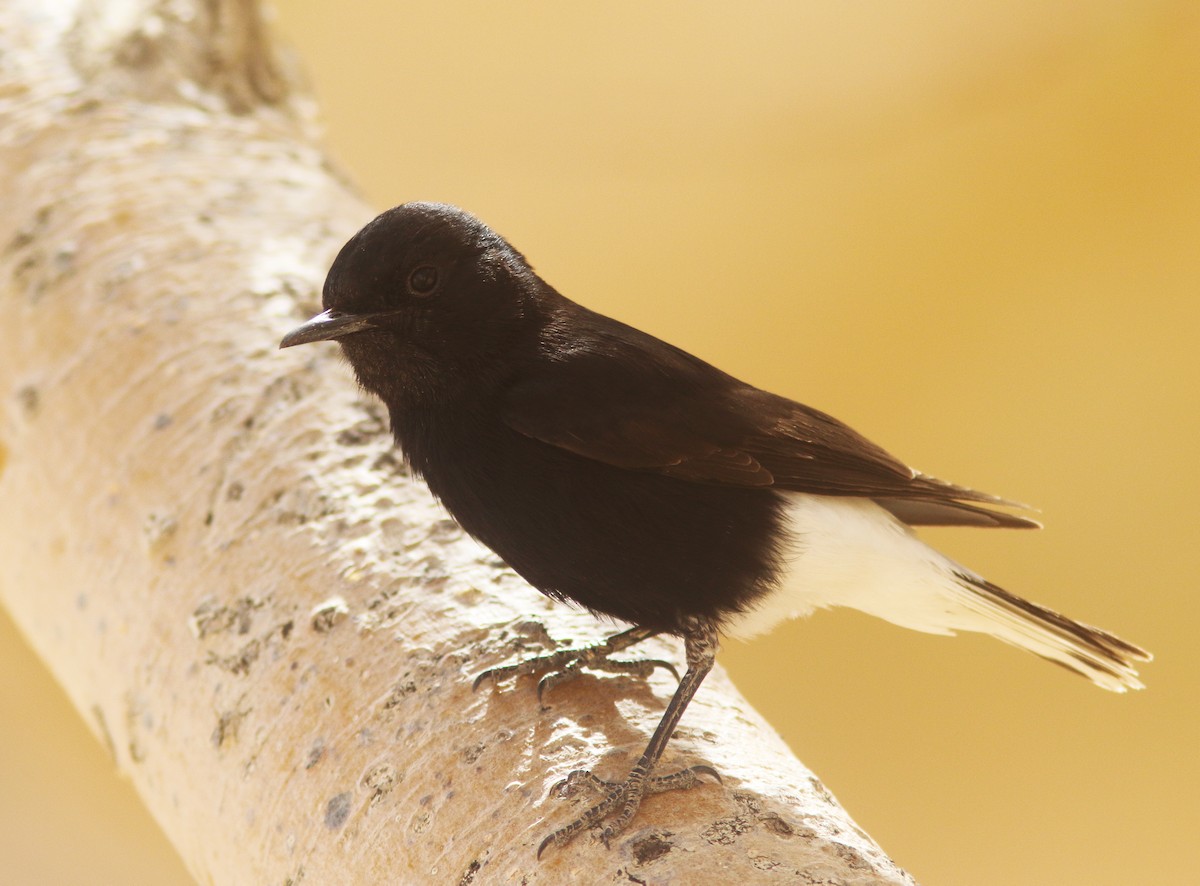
[[1106, 660], [852, 552]]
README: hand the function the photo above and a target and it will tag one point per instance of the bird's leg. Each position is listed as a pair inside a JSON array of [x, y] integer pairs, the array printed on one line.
[[623, 798], [566, 664]]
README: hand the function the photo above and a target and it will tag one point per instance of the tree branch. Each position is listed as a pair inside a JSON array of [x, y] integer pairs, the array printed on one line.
[[214, 545]]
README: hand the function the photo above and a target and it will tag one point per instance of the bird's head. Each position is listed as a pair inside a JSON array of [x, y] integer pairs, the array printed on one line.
[[422, 294]]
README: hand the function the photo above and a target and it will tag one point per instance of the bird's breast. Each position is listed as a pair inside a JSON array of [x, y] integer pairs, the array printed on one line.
[[640, 546]]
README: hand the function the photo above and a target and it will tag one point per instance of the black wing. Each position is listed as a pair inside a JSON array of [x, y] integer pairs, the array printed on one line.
[[622, 397]]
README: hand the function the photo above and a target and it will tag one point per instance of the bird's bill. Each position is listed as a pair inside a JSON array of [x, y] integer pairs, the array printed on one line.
[[327, 326]]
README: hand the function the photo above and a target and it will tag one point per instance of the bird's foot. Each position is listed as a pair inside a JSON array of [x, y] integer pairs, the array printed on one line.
[[621, 800], [565, 665]]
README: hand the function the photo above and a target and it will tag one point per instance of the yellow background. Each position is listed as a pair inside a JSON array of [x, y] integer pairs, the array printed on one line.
[[972, 230]]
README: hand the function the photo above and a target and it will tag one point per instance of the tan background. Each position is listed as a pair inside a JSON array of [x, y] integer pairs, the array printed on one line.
[[970, 230]]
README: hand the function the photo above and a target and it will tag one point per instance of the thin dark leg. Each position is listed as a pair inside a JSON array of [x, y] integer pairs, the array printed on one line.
[[624, 798]]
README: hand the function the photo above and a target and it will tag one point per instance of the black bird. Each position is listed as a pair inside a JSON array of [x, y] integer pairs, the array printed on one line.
[[615, 471]]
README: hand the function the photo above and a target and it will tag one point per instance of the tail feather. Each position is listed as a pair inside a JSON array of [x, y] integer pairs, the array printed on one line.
[[916, 512], [1105, 659], [935, 502]]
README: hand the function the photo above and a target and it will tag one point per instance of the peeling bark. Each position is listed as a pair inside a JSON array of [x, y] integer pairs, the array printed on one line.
[[217, 551]]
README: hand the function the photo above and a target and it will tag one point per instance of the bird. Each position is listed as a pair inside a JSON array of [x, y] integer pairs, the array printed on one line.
[[624, 475]]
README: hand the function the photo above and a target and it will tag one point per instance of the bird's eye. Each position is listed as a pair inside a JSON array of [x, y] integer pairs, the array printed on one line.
[[423, 280]]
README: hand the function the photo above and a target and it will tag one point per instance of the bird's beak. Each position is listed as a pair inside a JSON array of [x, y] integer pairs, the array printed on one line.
[[329, 325]]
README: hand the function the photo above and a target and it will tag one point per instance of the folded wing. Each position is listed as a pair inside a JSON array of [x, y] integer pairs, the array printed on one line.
[[629, 400]]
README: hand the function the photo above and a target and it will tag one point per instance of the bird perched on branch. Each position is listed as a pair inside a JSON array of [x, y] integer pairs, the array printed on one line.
[[617, 472]]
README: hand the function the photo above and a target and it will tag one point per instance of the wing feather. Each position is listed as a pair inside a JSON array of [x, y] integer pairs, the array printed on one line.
[[629, 400]]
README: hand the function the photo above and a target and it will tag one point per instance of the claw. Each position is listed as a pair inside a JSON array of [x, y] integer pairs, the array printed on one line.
[[479, 679], [708, 770], [498, 673], [494, 674], [666, 666], [542, 846]]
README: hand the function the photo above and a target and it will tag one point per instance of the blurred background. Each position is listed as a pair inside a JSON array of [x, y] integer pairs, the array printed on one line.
[[972, 231]]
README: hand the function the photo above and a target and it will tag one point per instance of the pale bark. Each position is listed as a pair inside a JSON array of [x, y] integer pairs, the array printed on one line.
[[216, 550]]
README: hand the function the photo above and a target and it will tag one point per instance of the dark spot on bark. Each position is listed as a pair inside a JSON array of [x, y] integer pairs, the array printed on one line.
[[30, 400], [404, 688], [240, 662], [820, 790], [381, 780], [762, 863], [337, 810], [747, 801], [28, 233], [363, 431], [727, 830], [137, 50], [86, 106], [443, 530], [235, 490], [20, 240], [388, 461], [651, 848], [228, 724], [469, 876], [209, 619], [315, 754], [851, 857], [24, 276]]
